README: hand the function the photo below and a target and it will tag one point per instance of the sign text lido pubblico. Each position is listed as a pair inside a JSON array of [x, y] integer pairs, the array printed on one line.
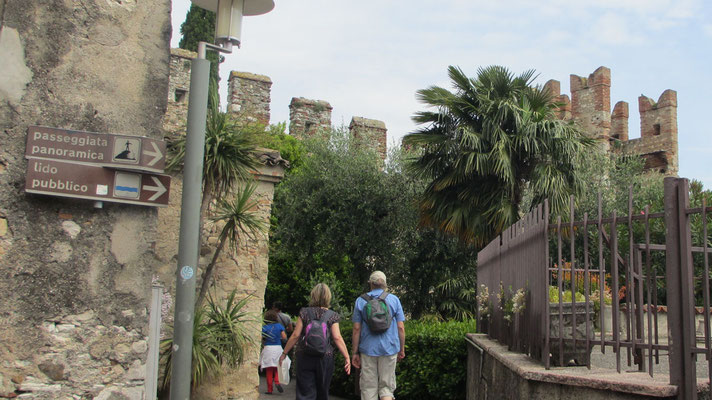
[[88, 165]]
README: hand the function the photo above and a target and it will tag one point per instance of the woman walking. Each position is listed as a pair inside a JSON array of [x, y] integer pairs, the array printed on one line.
[[314, 370], [272, 335]]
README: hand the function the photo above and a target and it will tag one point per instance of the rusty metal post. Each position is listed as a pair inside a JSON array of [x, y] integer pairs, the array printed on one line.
[[678, 272]]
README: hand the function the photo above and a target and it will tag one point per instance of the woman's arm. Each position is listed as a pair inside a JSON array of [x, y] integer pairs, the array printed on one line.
[[341, 345], [292, 340], [284, 335]]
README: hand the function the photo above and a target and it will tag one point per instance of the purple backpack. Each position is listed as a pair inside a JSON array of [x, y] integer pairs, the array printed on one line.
[[316, 334]]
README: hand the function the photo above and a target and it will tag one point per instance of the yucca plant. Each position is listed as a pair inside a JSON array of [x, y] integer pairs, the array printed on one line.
[[220, 338], [241, 221]]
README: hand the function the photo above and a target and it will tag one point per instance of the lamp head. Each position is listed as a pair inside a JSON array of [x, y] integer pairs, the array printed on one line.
[[229, 13]]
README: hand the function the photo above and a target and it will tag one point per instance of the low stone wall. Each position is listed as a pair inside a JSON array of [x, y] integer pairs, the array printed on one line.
[[493, 372]]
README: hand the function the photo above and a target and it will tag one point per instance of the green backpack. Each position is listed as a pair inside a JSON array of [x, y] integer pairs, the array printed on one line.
[[377, 313]]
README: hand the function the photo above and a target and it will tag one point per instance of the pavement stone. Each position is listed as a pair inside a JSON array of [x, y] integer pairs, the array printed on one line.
[[289, 391]]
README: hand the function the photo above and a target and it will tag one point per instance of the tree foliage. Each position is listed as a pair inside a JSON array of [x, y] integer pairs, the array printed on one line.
[[199, 26], [343, 214], [483, 145]]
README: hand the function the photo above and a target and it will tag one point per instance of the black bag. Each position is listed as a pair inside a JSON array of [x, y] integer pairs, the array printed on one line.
[[316, 334], [377, 313]]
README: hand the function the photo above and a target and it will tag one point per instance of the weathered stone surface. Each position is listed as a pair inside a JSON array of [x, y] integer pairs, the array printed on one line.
[[3, 227], [54, 371], [71, 228], [307, 117], [371, 132], [17, 74], [248, 97], [98, 66]]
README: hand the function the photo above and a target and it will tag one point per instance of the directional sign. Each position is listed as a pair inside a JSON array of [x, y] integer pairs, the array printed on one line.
[[116, 151], [94, 182]]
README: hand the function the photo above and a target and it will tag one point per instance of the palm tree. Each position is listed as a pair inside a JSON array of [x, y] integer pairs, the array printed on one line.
[[486, 143], [240, 218]]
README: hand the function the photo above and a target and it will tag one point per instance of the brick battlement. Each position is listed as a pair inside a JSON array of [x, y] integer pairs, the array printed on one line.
[[590, 109]]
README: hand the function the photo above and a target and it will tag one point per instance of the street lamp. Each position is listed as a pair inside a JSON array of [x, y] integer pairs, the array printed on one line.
[[228, 27]]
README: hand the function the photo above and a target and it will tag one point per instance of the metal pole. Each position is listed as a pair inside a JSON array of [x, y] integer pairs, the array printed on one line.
[[189, 241]]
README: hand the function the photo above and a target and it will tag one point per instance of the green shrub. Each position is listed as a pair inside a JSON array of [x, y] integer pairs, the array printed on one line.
[[435, 364]]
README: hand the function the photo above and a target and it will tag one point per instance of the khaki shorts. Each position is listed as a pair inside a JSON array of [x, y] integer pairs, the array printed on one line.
[[378, 376]]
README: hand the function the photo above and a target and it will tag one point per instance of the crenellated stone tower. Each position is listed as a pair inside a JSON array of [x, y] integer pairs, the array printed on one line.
[[370, 131], [590, 108], [248, 96], [307, 117], [178, 87]]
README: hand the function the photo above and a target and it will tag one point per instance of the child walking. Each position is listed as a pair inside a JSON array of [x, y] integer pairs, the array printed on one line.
[[272, 335]]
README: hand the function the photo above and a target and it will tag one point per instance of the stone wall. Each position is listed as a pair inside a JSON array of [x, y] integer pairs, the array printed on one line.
[[371, 132], [248, 96], [174, 121], [76, 280], [307, 117], [590, 108]]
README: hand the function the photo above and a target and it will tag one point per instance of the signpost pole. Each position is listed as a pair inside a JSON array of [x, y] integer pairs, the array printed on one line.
[[189, 240]]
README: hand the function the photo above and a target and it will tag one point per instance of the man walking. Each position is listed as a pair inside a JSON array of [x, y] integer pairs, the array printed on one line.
[[378, 339]]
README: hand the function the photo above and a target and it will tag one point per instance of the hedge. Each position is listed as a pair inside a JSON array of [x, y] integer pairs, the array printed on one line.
[[435, 366]]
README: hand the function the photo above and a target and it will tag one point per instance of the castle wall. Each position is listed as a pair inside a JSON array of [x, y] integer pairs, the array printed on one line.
[[371, 132], [248, 96], [76, 280], [307, 117]]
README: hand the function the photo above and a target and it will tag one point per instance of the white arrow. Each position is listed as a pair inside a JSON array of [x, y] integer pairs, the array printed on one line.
[[156, 153], [159, 189]]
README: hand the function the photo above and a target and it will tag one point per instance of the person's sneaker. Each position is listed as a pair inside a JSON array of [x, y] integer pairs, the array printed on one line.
[[279, 388], [268, 392]]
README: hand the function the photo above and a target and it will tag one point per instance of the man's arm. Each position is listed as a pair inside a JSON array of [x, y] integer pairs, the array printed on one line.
[[355, 339], [401, 338]]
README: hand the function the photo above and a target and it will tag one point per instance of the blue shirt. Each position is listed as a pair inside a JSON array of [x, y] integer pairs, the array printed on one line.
[[382, 344], [272, 334]]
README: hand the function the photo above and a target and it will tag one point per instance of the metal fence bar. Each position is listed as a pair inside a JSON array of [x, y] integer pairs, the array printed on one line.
[[547, 319], [682, 367], [574, 274], [561, 293], [629, 279], [586, 286], [601, 273], [616, 299], [650, 280], [706, 289]]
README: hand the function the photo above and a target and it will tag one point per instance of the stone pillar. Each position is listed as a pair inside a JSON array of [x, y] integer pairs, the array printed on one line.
[[591, 104], [563, 111], [248, 96], [245, 271], [178, 91], [371, 132], [619, 121], [307, 117]]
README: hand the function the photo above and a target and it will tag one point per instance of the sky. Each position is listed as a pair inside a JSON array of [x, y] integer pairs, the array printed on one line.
[[368, 58]]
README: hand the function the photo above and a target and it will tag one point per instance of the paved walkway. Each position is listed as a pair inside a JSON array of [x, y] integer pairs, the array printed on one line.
[[289, 391]]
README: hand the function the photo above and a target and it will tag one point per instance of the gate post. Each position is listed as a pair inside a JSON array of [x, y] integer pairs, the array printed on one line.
[[680, 299]]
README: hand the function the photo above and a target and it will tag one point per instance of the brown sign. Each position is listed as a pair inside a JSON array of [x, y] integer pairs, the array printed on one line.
[[116, 151], [94, 182]]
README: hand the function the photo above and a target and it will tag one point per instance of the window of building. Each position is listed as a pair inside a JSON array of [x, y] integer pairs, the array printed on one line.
[[180, 95]]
